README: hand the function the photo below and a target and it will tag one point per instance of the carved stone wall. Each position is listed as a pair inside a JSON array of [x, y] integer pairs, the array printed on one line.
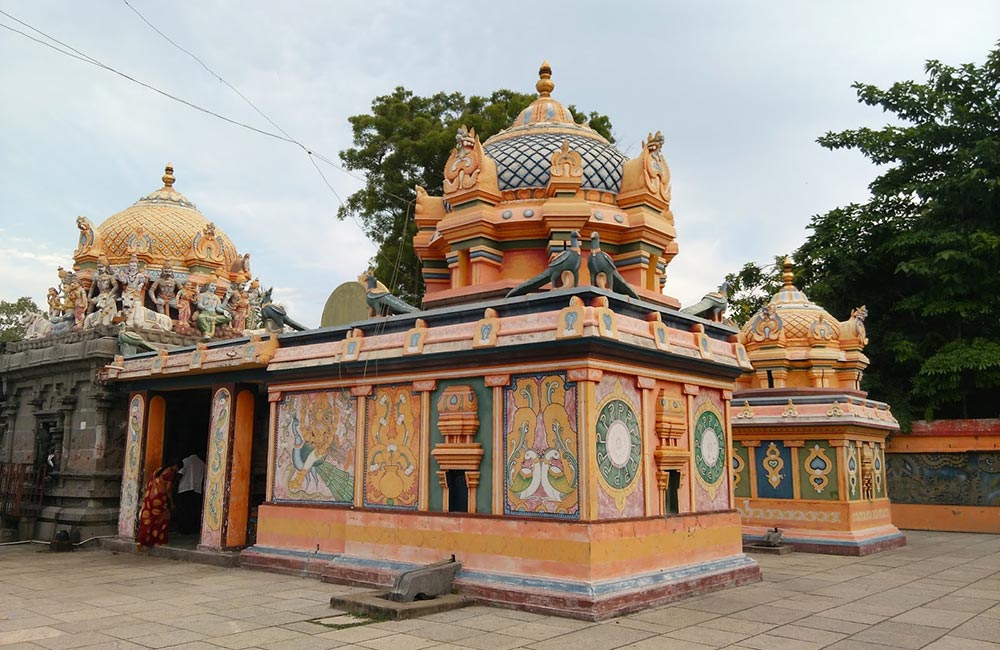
[[52, 403]]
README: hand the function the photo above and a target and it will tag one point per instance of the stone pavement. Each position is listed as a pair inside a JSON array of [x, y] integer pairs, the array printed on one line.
[[941, 592]]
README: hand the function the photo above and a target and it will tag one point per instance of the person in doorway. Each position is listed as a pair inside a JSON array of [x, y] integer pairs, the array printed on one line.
[[189, 491], [154, 517]]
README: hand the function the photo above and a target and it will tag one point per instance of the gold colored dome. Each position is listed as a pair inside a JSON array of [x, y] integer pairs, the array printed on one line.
[[165, 221], [791, 317]]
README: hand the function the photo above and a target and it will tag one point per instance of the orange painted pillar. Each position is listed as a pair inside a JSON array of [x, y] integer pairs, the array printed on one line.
[[238, 510], [155, 422]]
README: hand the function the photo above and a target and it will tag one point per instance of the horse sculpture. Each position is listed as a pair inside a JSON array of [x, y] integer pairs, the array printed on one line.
[[138, 317]]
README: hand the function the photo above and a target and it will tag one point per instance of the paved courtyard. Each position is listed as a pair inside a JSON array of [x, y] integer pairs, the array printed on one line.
[[941, 592]]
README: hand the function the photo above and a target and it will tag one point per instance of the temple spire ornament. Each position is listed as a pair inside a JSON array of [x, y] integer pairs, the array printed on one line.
[[787, 274], [544, 86], [168, 175]]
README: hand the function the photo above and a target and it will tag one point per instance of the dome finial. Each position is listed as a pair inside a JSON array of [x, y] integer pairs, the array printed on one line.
[[168, 176], [787, 275], [544, 85]]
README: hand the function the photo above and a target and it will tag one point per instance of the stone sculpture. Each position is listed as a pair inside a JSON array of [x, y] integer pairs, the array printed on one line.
[[210, 311], [603, 272], [164, 290], [381, 302], [713, 306], [561, 271]]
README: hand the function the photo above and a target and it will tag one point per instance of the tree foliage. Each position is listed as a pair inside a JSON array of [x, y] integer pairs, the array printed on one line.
[[751, 288], [10, 317], [405, 141], [924, 252]]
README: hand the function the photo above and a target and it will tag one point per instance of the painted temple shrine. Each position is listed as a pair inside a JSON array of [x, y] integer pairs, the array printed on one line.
[[569, 446], [809, 446]]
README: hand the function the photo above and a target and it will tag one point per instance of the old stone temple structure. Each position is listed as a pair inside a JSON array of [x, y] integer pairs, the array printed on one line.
[[155, 275], [547, 416]]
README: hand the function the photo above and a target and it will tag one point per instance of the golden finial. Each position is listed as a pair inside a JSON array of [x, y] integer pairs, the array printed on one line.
[[168, 176], [544, 85], [787, 275]]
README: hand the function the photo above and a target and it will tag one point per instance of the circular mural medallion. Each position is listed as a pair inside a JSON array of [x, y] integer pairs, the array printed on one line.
[[709, 441], [619, 443]]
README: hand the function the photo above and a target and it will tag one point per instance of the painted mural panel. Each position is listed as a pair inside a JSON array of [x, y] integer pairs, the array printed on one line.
[[818, 471], [774, 470], [392, 448], [541, 447], [741, 471], [315, 441], [215, 481], [966, 479], [712, 467], [130, 478], [618, 439]]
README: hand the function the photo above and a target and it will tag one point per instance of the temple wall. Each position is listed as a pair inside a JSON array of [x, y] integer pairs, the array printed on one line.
[[945, 475], [51, 401]]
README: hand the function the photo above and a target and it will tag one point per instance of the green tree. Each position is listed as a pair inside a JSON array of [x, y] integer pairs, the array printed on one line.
[[924, 252], [10, 318], [405, 141]]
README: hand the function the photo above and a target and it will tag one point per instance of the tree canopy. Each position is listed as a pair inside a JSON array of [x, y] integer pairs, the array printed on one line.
[[923, 253], [10, 317], [405, 141]]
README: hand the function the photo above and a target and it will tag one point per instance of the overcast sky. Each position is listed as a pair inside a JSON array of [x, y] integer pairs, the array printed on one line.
[[740, 90]]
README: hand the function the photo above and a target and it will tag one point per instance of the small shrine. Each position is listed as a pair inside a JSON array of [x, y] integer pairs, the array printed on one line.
[[809, 446], [547, 416]]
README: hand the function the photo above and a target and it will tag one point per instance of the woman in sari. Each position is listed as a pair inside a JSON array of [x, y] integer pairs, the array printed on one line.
[[154, 518]]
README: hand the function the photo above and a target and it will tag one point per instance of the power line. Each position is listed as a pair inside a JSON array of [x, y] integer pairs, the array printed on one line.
[[73, 52]]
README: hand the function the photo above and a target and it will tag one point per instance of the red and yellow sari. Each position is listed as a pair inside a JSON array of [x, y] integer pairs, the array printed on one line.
[[154, 518]]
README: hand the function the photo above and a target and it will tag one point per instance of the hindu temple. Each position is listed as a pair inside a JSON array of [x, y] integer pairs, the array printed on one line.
[[156, 275], [547, 416], [809, 446]]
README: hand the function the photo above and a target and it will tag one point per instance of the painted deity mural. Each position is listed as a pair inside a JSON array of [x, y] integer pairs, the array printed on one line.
[[541, 447], [314, 447], [392, 448], [130, 480], [971, 478], [619, 448], [218, 451]]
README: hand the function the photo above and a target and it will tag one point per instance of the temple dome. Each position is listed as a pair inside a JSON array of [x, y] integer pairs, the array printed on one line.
[[523, 151], [804, 342], [167, 220]]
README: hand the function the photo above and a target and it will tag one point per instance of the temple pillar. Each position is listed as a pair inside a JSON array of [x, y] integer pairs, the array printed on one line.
[[214, 522], [132, 474]]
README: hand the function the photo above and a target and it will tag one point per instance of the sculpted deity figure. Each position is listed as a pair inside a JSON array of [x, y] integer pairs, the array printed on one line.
[[164, 289], [184, 298], [76, 300], [655, 168], [133, 280], [254, 297], [210, 311], [55, 303], [104, 281], [238, 307]]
